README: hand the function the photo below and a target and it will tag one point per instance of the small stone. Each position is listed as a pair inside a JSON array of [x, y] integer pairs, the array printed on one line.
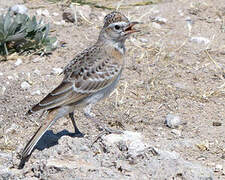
[[10, 77], [3, 89], [42, 12], [1, 74], [37, 92], [18, 62], [143, 40], [60, 23], [55, 14], [217, 123], [19, 8], [35, 60], [176, 132], [218, 168], [25, 85], [172, 120], [200, 40], [36, 71], [57, 71]]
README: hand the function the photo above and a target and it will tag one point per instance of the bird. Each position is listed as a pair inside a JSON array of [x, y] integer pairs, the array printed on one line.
[[89, 77]]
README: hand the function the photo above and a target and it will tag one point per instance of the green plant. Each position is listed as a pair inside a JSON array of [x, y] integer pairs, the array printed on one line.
[[19, 33]]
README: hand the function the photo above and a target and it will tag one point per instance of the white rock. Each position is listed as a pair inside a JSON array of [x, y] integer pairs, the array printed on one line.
[[62, 22], [25, 85], [19, 8], [37, 92], [43, 12], [10, 77], [133, 140], [18, 62], [36, 59], [57, 71], [200, 40], [1, 74], [55, 14], [180, 12], [3, 89], [218, 168], [143, 40], [172, 120], [36, 71], [126, 136], [156, 25]]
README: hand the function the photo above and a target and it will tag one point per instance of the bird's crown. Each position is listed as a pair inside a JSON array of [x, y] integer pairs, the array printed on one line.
[[113, 17]]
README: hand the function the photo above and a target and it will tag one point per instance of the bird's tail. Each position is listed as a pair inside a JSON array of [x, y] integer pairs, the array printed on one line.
[[50, 120]]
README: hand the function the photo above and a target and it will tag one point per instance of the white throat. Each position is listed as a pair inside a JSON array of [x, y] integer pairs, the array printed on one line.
[[119, 46]]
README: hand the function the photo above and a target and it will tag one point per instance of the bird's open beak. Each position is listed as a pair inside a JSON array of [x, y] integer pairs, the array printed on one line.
[[130, 28]]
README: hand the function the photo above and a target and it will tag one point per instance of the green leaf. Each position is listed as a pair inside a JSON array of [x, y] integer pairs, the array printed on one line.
[[7, 23], [16, 37]]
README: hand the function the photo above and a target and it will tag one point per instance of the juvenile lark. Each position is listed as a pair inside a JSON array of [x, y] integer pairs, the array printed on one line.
[[91, 76]]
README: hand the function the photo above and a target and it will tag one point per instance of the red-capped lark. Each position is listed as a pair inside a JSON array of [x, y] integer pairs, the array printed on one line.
[[91, 76]]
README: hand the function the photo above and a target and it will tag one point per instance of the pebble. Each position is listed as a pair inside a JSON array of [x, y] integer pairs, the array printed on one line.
[[19, 8], [218, 168], [42, 12], [37, 92], [25, 85], [18, 62], [1, 74], [3, 89], [10, 77], [36, 71], [35, 60], [143, 40], [55, 14], [200, 40], [172, 120], [62, 22], [57, 71]]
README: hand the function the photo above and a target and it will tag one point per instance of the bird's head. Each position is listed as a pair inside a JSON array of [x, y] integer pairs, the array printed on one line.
[[117, 27]]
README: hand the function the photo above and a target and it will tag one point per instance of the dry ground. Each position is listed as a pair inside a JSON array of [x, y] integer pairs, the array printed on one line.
[[166, 72]]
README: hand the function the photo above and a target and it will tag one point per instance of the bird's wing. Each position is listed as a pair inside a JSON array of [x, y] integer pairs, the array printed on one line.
[[85, 75]]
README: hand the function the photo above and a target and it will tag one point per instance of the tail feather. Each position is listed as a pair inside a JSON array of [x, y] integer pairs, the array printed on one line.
[[37, 136]]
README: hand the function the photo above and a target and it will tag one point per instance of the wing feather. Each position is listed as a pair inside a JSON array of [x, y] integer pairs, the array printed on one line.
[[84, 77]]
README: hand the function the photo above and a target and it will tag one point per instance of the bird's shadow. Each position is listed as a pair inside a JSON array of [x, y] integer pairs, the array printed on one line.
[[48, 140]]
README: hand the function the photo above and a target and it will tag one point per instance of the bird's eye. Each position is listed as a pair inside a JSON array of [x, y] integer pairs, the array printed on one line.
[[117, 27]]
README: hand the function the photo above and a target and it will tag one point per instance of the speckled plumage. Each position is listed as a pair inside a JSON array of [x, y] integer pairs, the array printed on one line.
[[91, 76]]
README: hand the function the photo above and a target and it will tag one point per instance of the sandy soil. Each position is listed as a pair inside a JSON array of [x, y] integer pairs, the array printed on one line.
[[174, 65]]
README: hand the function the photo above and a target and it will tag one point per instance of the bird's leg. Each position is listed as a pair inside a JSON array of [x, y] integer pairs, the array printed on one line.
[[77, 131], [90, 115]]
